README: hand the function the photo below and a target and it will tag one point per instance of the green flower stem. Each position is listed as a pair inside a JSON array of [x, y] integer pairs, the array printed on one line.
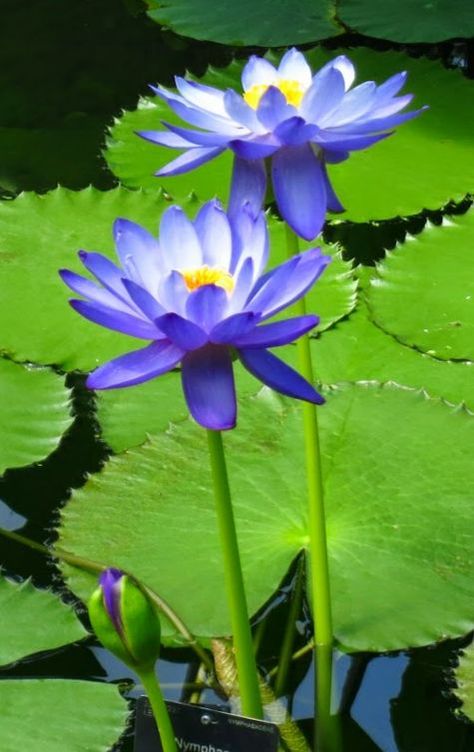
[[160, 712], [319, 567], [244, 652], [328, 730]]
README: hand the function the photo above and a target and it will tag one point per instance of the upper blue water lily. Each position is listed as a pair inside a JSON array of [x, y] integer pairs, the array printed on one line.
[[200, 295], [299, 121]]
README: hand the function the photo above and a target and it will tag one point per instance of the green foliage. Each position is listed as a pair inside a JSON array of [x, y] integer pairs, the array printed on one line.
[[37, 620], [393, 540], [273, 23], [34, 413], [60, 714], [280, 23], [425, 164], [423, 293]]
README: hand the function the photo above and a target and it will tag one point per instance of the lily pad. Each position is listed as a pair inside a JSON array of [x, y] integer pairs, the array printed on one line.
[[423, 293], [358, 350], [409, 20], [425, 164], [33, 620], [465, 681], [34, 413], [80, 715], [273, 24], [379, 522]]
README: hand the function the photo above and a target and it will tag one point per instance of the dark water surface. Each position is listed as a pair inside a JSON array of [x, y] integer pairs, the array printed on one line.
[[86, 61]]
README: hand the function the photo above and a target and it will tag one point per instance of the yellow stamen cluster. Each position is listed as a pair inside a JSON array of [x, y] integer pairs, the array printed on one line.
[[207, 275], [292, 90]]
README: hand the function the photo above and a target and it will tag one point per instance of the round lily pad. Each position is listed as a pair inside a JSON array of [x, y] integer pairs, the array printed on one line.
[[379, 522], [423, 292], [409, 20], [60, 714], [33, 620], [273, 23], [34, 413], [425, 164]]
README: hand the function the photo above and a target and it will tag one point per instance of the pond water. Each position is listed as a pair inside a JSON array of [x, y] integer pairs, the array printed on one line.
[[90, 60]]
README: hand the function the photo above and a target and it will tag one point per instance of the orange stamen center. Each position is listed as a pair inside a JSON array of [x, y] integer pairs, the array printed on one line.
[[207, 275], [292, 90]]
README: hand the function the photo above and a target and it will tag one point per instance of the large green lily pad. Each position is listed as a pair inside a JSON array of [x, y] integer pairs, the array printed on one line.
[[409, 20], [423, 293], [60, 714], [358, 350], [425, 164], [380, 521], [272, 24], [34, 413], [33, 620]]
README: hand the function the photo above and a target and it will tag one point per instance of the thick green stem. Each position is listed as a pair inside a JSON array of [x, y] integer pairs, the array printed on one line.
[[244, 652], [160, 712], [319, 568], [328, 730]]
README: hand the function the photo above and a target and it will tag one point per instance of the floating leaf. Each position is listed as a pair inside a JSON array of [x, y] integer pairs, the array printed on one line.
[[465, 681], [424, 294], [425, 164], [151, 511], [358, 350], [60, 714], [408, 20], [34, 413], [33, 620], [272, 24]]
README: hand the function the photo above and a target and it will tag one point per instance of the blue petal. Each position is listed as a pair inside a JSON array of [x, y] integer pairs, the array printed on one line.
[[190, 159], [116, 320], [136, 367], [276, 334], [334, 205], [324, 94], [200, 118], [299, 187], [250, 241], [234, 327], [206, 306], [165, 138], [347, 142], [248, 186], [355, 104], [179, 241], [173, 293], [295, 131], [238, 109], [201, 138], [93, 292], [109, 275], [138, 251], [183, 333], [273, 108], [258, 71], [208, 384], [244, 281], [343, 65], [277, 375], [288, 282], [205, 97], [144, 300], [259, 148], [293, 67], [214, 233]]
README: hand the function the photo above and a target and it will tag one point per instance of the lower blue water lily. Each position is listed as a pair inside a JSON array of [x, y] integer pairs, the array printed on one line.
[[296, 121], [201, 296]]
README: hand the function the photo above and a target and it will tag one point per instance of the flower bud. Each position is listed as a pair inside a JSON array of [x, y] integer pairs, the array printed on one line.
[[125, 620]]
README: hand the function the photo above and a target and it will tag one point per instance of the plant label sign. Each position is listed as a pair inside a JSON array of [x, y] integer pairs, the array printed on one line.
[[200, 729]]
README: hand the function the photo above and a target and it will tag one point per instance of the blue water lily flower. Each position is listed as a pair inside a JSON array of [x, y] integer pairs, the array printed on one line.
[[200, 295], [299, 121]]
